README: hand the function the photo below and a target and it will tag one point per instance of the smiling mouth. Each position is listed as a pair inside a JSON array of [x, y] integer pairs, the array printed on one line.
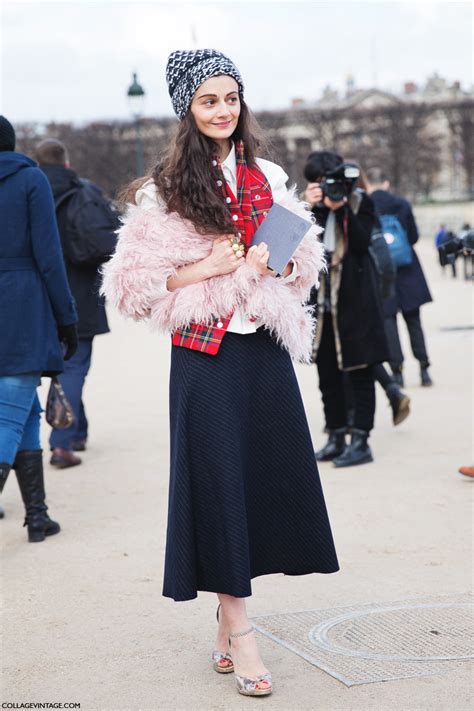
[[224, 124]]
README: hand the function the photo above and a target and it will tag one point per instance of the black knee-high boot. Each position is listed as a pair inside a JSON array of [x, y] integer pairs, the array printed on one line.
[[29, 472], [4, 471]]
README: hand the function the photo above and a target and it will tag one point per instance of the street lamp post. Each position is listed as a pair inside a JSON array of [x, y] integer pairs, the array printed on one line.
[[136, 97]]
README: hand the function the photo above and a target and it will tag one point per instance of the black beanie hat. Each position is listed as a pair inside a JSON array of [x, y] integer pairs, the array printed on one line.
[[321, 163], [7, 135]]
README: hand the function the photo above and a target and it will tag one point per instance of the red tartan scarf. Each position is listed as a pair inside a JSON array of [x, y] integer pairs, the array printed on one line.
[[254, 196], [248, 210]]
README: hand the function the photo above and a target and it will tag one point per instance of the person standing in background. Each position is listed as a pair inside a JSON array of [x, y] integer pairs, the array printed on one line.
[[37, 315], [440, 236], [398, 400], [87, 227], [350, 337], [410, 286]]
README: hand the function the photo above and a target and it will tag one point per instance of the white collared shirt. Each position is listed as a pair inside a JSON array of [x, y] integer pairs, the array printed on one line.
[[147, 198], [276, 176]]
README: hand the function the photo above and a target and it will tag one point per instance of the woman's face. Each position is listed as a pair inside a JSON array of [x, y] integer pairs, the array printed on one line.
[[216, 107]]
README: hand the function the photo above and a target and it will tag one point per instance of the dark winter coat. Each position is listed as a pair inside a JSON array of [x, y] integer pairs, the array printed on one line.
[[34, 292], [83, 280], [411, 288], [355, 296]]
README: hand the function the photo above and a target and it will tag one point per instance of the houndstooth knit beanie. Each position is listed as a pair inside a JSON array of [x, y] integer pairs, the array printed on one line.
[[186, 70], [7, 135]]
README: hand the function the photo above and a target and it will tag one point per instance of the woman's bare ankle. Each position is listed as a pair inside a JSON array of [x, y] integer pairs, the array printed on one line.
[[246, 656]]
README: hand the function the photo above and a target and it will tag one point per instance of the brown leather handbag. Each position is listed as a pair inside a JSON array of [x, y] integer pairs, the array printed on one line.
[[59, 412]]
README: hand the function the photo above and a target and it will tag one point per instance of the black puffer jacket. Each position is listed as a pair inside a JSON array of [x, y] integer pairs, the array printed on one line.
[[83, 280]]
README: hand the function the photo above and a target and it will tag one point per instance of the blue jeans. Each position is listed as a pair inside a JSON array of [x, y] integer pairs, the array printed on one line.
[[20, 413], [72, 380]]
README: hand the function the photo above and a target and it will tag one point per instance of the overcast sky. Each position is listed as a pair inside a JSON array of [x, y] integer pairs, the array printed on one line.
[[72, 61]]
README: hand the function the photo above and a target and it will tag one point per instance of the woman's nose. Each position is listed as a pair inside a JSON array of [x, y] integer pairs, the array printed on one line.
[[223, 110]]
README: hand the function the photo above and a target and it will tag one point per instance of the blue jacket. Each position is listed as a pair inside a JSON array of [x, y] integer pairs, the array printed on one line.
[[34, 292], [411, 287]]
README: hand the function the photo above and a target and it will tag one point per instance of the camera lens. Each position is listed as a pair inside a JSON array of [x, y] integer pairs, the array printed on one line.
[[335, 190]]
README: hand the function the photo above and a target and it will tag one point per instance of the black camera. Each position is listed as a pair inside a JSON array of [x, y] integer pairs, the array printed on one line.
[[337, 184], [449, 250]]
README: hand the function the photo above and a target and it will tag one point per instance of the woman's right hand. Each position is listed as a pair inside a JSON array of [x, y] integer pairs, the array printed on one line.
[[222, 259], [313, 194]]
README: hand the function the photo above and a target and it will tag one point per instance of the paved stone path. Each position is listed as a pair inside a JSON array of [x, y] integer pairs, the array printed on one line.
[[84, 619]]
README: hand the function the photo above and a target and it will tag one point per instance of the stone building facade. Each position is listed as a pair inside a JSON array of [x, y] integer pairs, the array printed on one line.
[[423, 137]]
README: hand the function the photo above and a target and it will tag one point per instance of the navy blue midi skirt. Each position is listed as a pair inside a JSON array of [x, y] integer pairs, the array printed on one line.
[[245, 497]]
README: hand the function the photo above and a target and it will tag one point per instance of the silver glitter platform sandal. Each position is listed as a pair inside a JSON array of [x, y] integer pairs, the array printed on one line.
[[252, 687], [222, 661]]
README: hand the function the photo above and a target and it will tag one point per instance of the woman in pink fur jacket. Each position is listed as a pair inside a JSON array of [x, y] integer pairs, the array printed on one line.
[[245, 498]]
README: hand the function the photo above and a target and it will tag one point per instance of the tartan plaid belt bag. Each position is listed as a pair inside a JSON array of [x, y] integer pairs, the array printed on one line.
[[248, 210]]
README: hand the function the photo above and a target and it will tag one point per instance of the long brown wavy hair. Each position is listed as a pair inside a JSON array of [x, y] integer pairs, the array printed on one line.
[[186, 179]]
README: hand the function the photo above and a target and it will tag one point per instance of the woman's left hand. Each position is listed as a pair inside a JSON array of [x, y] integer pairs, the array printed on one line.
[[257, 257]]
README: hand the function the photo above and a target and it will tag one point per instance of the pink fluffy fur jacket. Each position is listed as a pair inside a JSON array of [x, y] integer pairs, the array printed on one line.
[[153, 244]]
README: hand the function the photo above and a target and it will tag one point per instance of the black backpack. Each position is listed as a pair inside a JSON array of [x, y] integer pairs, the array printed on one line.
[[91, 222], [383, 261], [379, 251]]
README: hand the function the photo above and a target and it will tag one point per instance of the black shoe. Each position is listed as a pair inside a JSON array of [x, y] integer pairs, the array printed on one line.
[[397, 376], [334, 446], [79, 445], [4, 472], [29, 472], [2, 512], [425, 377], [357, 452], [399, 402]]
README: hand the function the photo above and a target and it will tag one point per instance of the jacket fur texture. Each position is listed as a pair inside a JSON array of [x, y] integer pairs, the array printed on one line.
[[154, 243]]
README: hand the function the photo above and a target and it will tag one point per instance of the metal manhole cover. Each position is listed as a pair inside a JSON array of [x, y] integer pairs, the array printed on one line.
[[368, 643], [416, 633]]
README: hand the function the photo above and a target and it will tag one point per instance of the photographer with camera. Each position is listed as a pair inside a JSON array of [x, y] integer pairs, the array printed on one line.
[[350, 335]]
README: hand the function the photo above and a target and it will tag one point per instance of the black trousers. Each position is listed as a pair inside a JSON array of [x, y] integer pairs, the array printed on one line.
[[417, 339], [382, 376], [333, 390]]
